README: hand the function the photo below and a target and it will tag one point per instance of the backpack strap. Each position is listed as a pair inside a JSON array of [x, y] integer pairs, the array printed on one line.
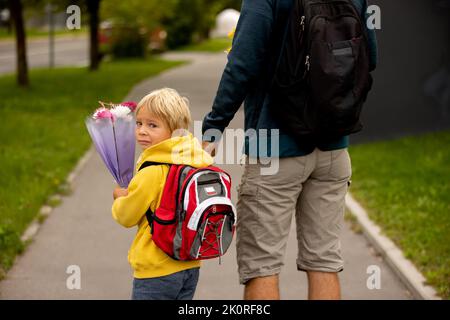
[[171, 191], [151, 163], [282, 19], [149, 214]]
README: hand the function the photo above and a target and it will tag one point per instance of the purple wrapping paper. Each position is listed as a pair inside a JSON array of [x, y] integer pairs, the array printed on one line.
[[115, 143]]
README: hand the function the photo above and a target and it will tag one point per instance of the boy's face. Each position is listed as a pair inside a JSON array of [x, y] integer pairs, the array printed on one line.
[[150, 130]]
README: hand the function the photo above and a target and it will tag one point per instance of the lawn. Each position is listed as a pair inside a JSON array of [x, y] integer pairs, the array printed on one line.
[[43, 135], [405, 186], [209, 45], [36, 33]]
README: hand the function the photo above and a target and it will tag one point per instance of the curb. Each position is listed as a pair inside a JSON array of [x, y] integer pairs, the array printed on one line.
[[403, 268], [45, 210]]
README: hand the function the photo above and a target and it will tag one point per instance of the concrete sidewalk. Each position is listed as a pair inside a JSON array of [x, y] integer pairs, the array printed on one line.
[[82, 232]]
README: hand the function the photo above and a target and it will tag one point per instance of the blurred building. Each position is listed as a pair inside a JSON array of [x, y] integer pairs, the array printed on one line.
[[226, 22]]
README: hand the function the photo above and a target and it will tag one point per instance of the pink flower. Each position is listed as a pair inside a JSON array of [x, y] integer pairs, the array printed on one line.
[[130, 104], [102, 113]]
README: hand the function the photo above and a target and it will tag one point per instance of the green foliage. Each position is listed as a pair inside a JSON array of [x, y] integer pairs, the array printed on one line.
[[190, 21], [136, 13], [128, 42], [209, 45], [10, 245], [185, 21], [234, 4], [181, 25], [405, 185]]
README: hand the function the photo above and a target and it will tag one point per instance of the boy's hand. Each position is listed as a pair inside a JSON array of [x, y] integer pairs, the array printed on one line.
[[119, 192], [209, 147]]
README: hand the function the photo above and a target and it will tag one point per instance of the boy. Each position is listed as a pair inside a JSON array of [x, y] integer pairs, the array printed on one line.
[[159, 116]]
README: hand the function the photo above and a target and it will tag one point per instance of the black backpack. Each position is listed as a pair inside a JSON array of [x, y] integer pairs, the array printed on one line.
[[322, 78]]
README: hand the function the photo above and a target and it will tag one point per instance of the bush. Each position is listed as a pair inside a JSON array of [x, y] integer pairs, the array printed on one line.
[[127, 42], [180, 30]]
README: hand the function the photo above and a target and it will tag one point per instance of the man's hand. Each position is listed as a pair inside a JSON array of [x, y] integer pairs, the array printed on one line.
[[119, 192], [209, 147]]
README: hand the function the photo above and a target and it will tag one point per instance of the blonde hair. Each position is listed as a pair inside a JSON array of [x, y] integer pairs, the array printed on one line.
[[169, 106]]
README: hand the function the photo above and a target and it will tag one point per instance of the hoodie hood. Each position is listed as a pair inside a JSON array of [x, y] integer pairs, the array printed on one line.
[[185, 150]]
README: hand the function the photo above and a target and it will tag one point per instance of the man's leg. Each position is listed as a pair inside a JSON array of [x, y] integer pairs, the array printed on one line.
[[262, 288], [264, 210], [323, 286], [319, 217]]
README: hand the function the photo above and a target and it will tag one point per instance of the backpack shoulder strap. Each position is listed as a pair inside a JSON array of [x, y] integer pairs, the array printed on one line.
[[149, 214], [151, 163], [170, 193]]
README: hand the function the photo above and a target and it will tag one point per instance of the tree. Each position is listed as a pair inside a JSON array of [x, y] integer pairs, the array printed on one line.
[[16, 11], [142, 13], [93, 7], [192, 20]]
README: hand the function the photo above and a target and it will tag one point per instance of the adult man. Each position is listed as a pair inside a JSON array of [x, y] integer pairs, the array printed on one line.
[[313, 176]]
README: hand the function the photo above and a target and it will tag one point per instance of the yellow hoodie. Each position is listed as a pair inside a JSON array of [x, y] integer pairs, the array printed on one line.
[[144, 191]]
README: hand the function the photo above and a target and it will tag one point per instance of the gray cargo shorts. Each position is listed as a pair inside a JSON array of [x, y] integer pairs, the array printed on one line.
[[314, 188]]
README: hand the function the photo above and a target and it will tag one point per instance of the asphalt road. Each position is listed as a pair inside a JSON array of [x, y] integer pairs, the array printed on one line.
[[69, 51]]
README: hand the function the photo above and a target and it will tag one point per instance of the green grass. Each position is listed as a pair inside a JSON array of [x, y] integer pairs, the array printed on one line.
[[37, 33], [405, 185], [43, 135], [210, 45]]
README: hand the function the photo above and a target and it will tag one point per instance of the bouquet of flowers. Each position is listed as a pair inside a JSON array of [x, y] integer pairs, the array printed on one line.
[[111, 128]]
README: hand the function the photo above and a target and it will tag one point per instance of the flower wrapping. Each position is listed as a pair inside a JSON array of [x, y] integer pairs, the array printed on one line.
[[112, 132]]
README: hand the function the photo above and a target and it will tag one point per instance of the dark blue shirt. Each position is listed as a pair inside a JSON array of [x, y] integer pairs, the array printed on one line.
[[258, 38]]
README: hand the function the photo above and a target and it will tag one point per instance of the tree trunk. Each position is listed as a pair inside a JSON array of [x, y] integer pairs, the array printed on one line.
[[15, 7], [93, 8]]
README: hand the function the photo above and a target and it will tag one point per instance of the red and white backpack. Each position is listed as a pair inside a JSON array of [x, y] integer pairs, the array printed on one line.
[[196, 218]]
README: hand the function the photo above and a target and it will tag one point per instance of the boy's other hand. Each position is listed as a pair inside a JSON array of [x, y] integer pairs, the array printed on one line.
[[209, 147], [119, 192]]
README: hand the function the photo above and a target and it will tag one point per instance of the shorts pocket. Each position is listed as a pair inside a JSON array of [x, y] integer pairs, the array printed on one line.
[[340, 166], [248, 193], [247, 204]]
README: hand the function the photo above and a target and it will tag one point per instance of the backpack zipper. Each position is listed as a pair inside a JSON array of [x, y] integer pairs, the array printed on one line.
[[307, 63], [217, 180], [189, 178]]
